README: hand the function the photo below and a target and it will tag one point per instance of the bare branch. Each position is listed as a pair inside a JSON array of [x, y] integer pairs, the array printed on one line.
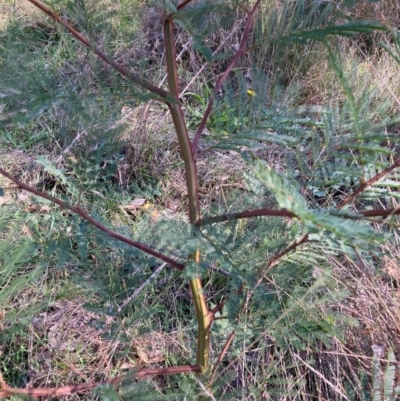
[[203, 123], [127, 74], [283, 213], [79, 211]]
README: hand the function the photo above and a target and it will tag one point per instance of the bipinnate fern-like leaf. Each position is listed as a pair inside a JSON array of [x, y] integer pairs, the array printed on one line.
[[327, 150], [348, 29], [144, 390], [286, 191], [288, 197], [389, 376], [394, 51], [384, 381]]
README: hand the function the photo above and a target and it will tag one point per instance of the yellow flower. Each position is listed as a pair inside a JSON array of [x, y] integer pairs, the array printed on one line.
[[250, 92]]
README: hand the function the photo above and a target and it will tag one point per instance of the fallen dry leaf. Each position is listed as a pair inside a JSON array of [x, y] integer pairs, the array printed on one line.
[[135, 204]]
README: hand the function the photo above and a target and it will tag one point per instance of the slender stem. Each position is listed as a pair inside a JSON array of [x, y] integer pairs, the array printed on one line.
[[204, 318], [179, 123], [276, 258], [183, 4], [246, 214], [7, 391], [127, 74], [79, 211], [221, 80], [203, 121], [222, 354], [380, 212], [368, 213], [370, 182], [284, 213], [140, 288]]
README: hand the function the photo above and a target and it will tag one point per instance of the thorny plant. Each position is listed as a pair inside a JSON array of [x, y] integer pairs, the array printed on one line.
[[205, 315]]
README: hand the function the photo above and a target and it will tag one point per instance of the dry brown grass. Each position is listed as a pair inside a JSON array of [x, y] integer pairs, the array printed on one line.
[[20, 9], [71, 349], [67, 344], [387, 11], [374, 304]]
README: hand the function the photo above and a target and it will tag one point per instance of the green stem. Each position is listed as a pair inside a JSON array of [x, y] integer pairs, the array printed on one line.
[[202, 313]]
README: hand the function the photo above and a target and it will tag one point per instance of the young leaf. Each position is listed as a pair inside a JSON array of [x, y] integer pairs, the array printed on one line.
[[286, 191]]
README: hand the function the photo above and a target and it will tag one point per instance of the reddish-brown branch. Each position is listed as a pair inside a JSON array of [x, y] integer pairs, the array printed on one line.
[[217, 308], [274, 260], [221, 80], [183, 4], [222, 354], [368, 213], [242, 46], [203, 122], [127, 74], [380, 212], [7, 391], [368, 183], [284, 213], [244, 215], [79, 211]]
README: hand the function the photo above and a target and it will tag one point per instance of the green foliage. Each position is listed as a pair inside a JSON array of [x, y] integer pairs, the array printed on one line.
[[349, 29], [394, 51], [326, 154], [384, 382], [142, 390]]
